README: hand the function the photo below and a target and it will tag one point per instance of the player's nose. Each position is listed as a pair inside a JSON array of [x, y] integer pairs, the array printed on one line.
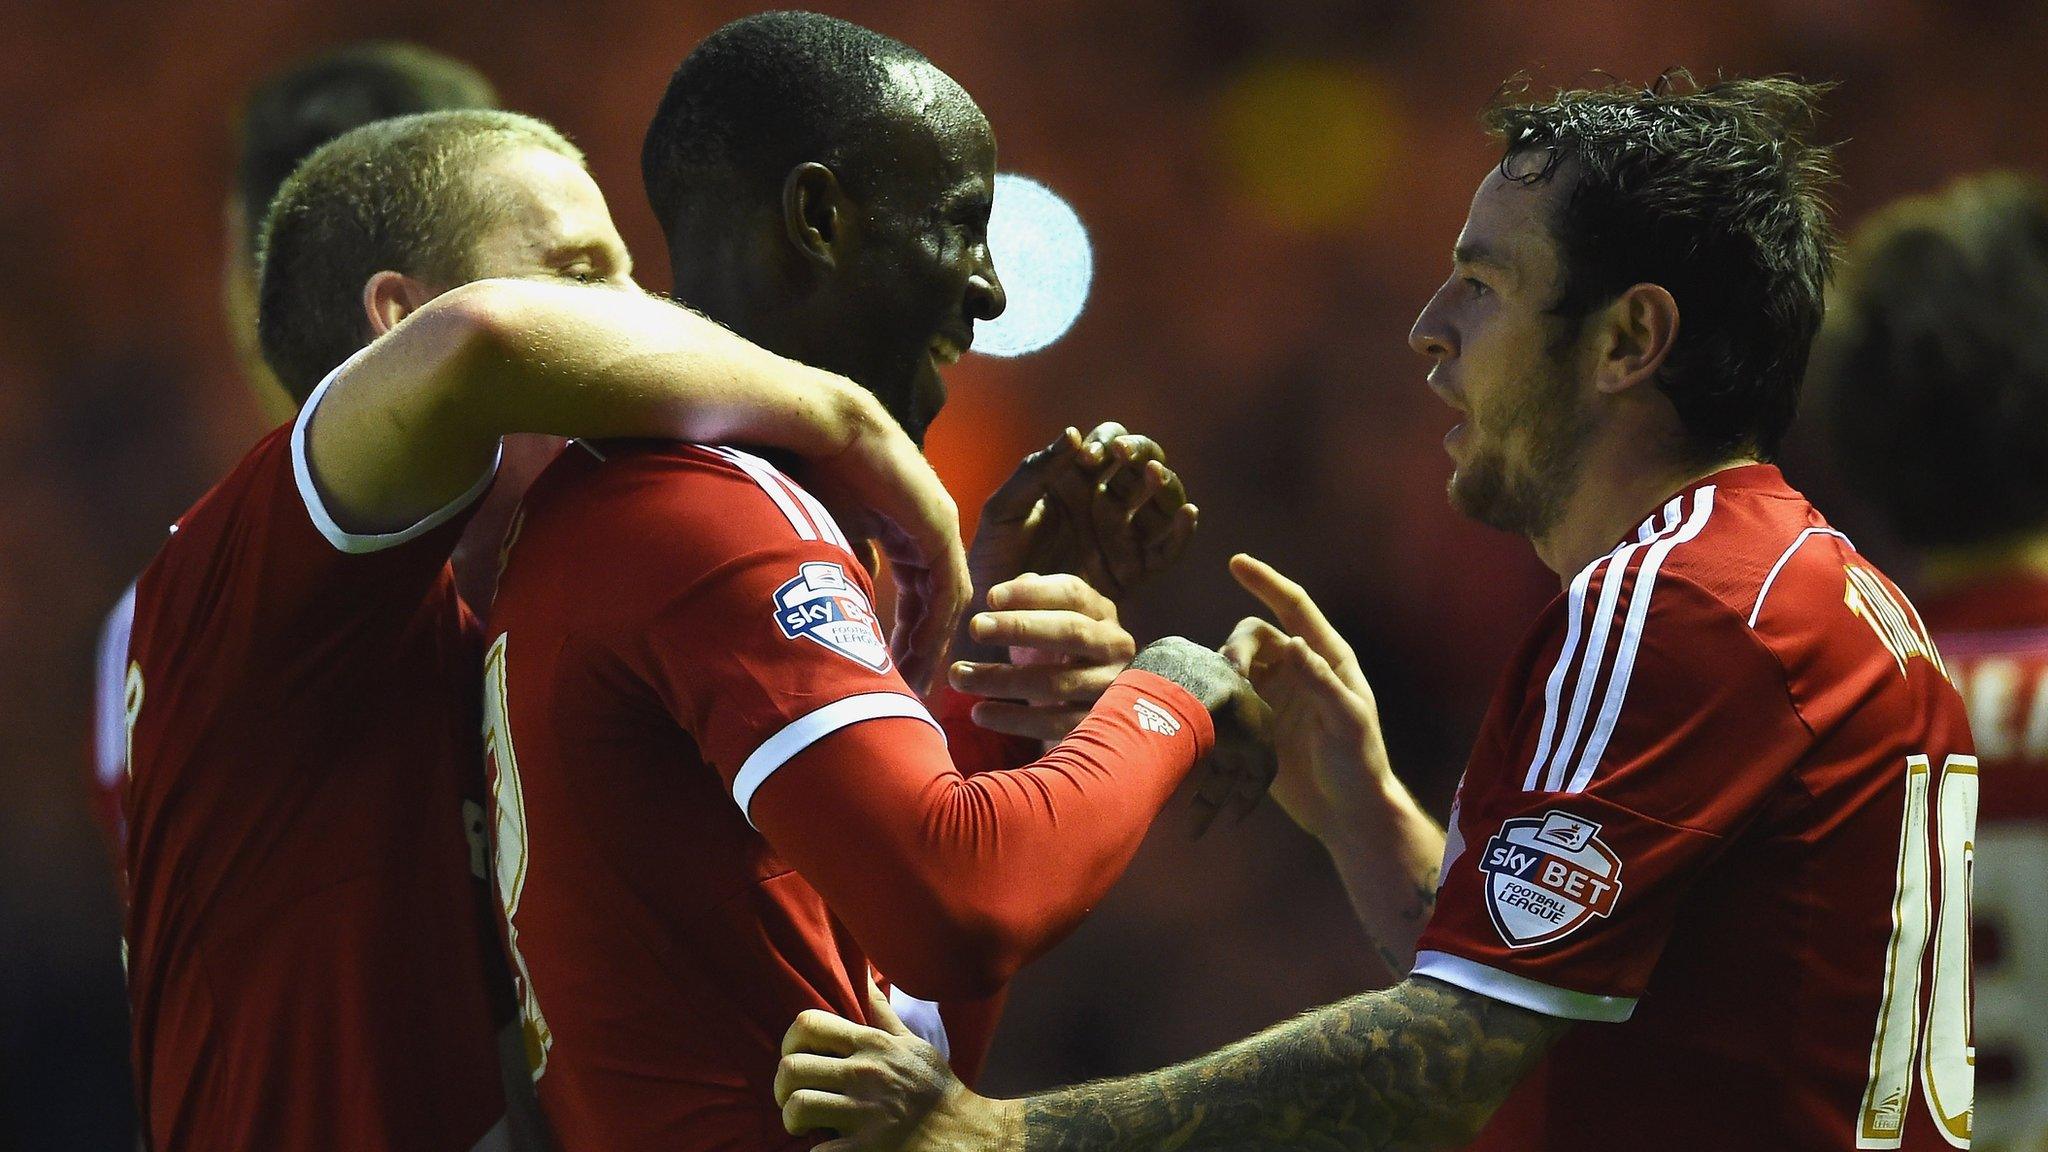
[[1432, 336], [986, 298]]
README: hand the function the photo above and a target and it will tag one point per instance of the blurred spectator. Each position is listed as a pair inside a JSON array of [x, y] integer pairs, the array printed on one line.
[[1933, 381]]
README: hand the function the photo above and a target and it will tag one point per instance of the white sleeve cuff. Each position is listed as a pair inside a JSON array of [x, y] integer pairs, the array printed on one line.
[[814, 726], [1521, 991], [350, 542]]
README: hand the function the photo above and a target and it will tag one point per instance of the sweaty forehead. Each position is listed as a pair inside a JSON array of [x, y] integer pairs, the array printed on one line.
[[933, 136]]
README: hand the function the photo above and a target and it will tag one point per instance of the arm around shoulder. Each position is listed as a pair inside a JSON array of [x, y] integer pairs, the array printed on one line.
[[413, 421]]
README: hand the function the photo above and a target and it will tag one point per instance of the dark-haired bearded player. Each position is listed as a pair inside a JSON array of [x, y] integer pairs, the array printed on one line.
[[1933, 378], [1706, 881], [716, 799]]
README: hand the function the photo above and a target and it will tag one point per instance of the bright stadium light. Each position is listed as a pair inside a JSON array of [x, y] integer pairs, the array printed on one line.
[[1042, 254]]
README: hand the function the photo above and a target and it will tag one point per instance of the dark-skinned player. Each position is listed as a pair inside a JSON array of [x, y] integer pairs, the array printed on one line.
[[717, 803]]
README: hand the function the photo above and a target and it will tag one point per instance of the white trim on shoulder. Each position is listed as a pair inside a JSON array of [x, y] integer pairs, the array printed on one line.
[[110, 693], [1787, 555], [1632, 636], [1521, 991], [1547, 767], [923, 1018], [309, 493], [814, 726], [765, 475], [799, 507]]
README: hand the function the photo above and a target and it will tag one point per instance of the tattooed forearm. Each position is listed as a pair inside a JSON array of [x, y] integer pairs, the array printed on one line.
[[1419, 1066]]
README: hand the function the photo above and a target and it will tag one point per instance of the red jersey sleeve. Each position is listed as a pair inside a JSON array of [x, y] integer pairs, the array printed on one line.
[[1644, 742], [949, 881], [977, 749]]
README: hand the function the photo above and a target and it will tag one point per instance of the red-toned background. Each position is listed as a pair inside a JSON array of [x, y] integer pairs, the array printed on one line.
[[1272, 186]]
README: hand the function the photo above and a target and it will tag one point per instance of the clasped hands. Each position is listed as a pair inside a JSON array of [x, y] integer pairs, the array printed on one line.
[[1104, 514], [883, 1088]]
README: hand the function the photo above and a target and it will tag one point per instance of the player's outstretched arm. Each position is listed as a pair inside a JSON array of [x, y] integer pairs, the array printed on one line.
[[1422, 1065], [410, 425], [1335, 780], [952, 881]]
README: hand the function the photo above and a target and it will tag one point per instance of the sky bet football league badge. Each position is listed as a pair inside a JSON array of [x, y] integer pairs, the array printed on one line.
[[1546, 876], [823, 606]]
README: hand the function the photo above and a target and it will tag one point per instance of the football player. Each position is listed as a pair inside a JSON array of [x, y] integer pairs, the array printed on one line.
[[717, 801], [283, 119], [1706, 881], [310, 957]]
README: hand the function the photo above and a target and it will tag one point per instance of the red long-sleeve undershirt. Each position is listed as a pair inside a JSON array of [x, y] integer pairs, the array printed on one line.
[[951, 881]]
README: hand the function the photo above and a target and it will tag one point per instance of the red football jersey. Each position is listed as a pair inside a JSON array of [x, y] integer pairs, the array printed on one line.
[[310, 936], [1993, 634], [1722, 808], [684, 650]]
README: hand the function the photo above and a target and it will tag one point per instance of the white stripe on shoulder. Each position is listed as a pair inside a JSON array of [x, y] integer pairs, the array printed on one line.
[[1772, 578], [1594, 659], [110, 693], [1632, 636], [1546, 768], [1575, 604], [819, 516], [1661, 522], [764, 474], [814, 726]]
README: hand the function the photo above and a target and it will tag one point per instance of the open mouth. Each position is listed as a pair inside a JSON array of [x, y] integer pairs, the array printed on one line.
[[947, 349]]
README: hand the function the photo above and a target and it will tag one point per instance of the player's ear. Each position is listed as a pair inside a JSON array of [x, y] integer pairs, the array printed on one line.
[[1640, 327], [816, 213], [389, 297]]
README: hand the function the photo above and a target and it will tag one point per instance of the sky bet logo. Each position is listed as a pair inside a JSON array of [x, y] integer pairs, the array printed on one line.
[[821, 605], [1546, 876]]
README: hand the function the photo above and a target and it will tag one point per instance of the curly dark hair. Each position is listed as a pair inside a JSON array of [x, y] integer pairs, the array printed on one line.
[[1932, 371], [1713, 192]]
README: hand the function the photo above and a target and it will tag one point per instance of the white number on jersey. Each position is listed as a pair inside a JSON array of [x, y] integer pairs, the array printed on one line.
[[1947, 1061]]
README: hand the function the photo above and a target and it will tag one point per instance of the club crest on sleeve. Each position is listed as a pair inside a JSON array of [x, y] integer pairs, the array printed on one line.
[[1546, 876], [823, 606], [1153, 718]]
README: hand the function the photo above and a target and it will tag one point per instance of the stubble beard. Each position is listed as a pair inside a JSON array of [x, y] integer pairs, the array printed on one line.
[[1527, 498]]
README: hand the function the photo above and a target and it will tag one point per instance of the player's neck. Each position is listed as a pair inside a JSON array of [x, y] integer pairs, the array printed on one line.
[[1944, 569], [1615, 493]]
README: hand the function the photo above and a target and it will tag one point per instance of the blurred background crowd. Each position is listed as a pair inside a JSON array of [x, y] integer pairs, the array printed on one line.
[[1272, 188]]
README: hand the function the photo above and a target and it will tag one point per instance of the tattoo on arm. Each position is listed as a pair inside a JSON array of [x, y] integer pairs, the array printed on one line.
[[1422, 1065], [1425, 899]]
